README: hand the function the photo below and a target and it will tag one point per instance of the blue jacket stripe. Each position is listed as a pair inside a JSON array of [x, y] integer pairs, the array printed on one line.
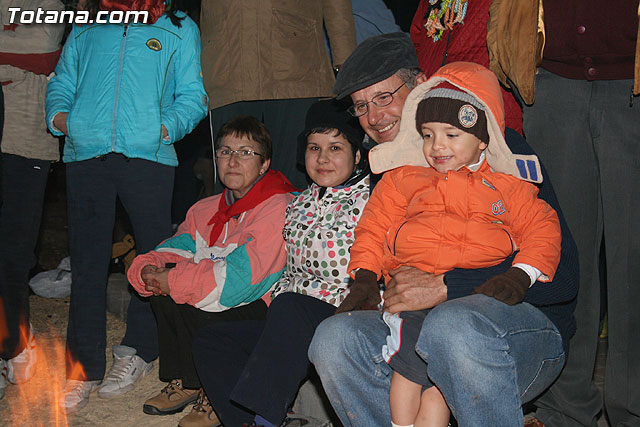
[[238, 288], [183, 241], [532, 170], [521, 168]]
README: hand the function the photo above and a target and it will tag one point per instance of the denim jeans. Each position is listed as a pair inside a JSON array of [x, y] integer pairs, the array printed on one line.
[[486, 357]]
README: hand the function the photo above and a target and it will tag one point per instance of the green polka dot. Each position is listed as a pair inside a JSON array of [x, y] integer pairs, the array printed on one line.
[[342, 252]]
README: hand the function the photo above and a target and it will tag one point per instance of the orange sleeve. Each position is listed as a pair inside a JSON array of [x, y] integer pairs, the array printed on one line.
[[536, 229], [386, 205]]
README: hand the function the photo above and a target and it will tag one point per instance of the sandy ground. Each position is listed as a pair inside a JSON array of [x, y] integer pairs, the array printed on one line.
[[49, 319]]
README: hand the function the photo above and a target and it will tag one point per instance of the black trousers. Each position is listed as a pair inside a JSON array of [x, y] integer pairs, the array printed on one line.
[[249, 368], [23, 184], [144, 188], [177, 323]]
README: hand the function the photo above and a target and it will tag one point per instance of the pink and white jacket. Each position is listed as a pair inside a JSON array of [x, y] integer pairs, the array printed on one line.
[[243, 264]]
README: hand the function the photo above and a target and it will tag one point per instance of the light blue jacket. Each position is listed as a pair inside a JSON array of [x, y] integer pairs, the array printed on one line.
[[120, 84]]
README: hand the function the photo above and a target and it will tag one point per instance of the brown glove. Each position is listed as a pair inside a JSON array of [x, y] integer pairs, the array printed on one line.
[[364, 293], [509, 287]]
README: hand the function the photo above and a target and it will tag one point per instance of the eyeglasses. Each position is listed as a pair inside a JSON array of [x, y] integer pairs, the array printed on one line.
[[380, 100], [225, 153]]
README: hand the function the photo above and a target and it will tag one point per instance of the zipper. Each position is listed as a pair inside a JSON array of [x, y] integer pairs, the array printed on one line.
[[117, 91]]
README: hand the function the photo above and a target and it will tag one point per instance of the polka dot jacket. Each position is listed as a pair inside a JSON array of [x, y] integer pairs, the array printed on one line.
[[318, 233]]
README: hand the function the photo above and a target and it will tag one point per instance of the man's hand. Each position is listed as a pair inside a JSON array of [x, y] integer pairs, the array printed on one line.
[[509, 287], [364, 293], [411, 289], [156, 279], [165, 132], [60, 122]]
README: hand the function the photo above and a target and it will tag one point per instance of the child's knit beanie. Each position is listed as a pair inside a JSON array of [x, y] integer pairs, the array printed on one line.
[[445, 103]]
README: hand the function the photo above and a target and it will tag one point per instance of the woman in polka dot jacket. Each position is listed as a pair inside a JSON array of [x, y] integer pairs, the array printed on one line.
[[251, 371]]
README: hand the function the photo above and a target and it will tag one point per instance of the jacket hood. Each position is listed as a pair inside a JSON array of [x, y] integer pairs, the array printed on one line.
[[478, 81]]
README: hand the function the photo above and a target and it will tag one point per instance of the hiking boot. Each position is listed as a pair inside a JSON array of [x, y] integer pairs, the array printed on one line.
[[171, 399], [294, 422], [126, 370], [22, 367], [76, 395], [3, 377], [201, 414], [532, 421]]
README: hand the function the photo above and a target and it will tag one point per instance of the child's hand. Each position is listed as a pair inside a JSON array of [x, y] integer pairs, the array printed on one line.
[[364, 293], [509, 287]]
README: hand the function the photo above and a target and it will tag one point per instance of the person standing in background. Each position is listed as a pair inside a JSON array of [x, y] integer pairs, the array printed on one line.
[[28, 54], [585, 126], [122, 95]]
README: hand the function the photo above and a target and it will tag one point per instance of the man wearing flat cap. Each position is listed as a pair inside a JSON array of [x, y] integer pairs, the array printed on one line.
[[378, 76], [347, 348]]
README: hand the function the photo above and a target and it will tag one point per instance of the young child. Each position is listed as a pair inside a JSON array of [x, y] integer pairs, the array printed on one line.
[[459, 201]]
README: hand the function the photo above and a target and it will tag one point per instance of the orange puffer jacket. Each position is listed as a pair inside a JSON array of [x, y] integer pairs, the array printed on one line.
[[436, 222]]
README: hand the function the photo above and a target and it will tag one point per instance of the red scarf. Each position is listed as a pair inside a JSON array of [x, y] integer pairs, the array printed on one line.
[[155, 7], [272, 183]]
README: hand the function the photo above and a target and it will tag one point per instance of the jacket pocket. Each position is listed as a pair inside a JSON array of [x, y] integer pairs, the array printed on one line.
[[547, 373], [292, 34], [392, 237]]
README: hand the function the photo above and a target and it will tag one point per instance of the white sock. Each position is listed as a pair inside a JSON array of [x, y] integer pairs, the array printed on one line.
[[396, 425]]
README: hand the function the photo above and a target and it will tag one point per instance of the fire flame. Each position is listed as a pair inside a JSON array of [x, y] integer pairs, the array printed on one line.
[[45, 389]]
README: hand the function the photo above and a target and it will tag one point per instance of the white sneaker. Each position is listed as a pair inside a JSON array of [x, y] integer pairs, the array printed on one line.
[[22, 367], [3, 377], [76, 395], [126, 370]]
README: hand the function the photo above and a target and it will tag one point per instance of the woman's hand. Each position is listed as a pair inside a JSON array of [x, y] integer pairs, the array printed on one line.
[[156, 279], [364, 293], [60, 122]]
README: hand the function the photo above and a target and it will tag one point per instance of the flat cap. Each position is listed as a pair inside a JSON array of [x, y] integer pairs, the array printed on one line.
[[374, 60]]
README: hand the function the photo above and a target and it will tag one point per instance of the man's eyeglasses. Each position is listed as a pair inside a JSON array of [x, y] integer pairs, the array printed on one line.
[[225, 153], [380, 100]]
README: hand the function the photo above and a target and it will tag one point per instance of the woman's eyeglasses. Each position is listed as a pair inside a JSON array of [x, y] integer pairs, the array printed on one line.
[[225, 153]]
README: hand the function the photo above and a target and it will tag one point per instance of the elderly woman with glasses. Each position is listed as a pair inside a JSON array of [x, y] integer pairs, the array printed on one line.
[[251, 370], [219, 266]]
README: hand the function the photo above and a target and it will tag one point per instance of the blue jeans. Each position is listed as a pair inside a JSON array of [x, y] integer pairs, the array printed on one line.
[[486, 357]]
